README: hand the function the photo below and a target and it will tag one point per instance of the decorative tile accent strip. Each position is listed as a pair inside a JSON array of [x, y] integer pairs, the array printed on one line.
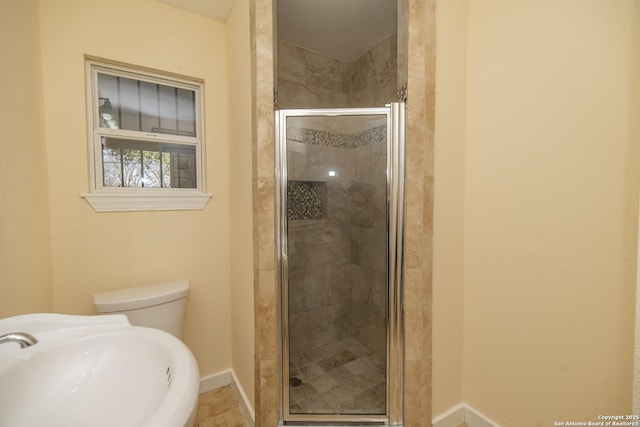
[[373, 135], [339, 140], [306, 200]]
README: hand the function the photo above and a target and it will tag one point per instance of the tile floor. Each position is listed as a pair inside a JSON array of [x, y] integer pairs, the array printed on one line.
[[344, 377], [219, 408]]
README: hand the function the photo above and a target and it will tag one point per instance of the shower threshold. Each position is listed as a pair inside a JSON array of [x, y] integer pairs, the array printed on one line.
[[334, 424]]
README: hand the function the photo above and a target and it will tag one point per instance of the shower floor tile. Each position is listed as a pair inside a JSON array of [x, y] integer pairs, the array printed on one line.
[[344, 377]]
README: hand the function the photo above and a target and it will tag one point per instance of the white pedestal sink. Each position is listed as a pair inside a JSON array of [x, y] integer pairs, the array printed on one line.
[[96, 371]]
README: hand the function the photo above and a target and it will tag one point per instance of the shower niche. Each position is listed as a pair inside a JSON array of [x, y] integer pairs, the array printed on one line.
[[306, 200]]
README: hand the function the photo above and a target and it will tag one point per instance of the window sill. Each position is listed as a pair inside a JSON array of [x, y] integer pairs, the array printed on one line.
[[132, 202]]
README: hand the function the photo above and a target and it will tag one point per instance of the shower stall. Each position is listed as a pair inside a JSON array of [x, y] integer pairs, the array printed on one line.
[[339, 210]]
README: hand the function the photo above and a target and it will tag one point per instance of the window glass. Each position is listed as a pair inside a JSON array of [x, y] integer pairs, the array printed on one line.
[[137, 105], [133, 163]]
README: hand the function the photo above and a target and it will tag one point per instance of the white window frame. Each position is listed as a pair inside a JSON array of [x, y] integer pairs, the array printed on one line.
[[118, 199]]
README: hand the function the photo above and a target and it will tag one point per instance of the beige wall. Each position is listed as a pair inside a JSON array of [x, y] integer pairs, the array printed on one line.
[[550, 193], [551, 199], [635, 135], [240, 180], [448, 229], [97, 252], [25, 251]]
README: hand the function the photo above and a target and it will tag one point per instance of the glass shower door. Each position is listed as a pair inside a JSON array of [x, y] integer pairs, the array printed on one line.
[[338, 188]]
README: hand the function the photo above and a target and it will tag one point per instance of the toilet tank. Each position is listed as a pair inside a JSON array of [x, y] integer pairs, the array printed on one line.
[[160, 306]]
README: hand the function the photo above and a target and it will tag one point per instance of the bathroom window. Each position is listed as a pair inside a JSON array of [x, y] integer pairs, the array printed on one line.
[[146, 139]]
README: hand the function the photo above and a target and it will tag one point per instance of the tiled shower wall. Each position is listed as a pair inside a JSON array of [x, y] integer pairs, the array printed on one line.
[[416, 69], [319, 253], [309, 79], [369, 299], [337, 270]]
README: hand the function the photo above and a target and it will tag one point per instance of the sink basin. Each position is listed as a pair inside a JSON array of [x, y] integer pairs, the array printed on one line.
[[97, 371]]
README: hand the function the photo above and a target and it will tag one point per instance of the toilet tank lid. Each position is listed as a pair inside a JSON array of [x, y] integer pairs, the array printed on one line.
[[140, 297]]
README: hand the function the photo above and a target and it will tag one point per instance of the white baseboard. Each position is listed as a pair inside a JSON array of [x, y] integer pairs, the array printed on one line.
[[463, 413], [477, 419], [245, 406], [224, 378], [215, 381], [451, 418]]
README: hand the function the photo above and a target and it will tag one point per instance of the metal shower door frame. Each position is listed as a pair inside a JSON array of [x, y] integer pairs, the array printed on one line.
[[395, 117]]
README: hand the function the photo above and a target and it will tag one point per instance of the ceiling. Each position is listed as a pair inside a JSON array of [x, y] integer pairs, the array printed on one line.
[[342, 29], [216, 9]]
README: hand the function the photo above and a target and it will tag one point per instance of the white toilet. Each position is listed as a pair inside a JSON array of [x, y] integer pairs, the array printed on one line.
[[157, 306]]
